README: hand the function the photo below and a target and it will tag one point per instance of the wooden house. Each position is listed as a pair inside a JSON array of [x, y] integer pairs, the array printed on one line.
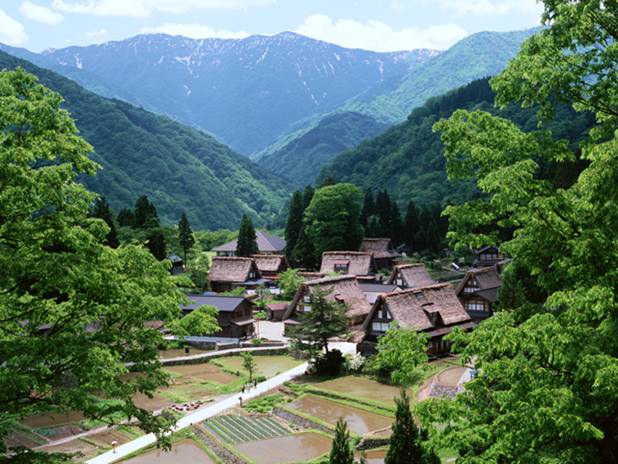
[[487, 256], [308, 275], [433, 310], [178, 265], [235, 314], [354, 263], [276, 311], [382, 250], [267, 245], [270, 265], [227, 273], [410, 276], [478, 291], [343, 289], [373, 290]]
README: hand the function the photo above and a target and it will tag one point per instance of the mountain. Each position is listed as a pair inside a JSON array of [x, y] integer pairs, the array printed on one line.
[[408, 159], [300, 159], [245, 91], [179, 168]]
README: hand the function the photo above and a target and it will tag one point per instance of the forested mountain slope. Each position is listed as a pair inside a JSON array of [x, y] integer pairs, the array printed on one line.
[[179, 168], [408, 159]]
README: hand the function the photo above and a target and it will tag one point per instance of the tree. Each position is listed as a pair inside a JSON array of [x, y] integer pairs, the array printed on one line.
[[294, 224], [185, 235], [322, 319], [145, 214], [397, 233], [101, 210], [289, 283], [200, 322], [246, 244], [248, 363], [308, 193], [126, 218], [547, 383], [399, 354], [155, 242], [341, 451], [332, 220], [304, 252], [369, 207], [411, 226], [73, 310], [404, 445]]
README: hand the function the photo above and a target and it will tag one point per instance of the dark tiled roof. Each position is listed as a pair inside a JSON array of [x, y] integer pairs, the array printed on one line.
[[414, 275], [360, 264], [266, 244], [230, 269], [222, 303]]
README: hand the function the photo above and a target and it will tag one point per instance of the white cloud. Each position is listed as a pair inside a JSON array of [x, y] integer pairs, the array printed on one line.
[[143, 8], [375, 35], [491, 7], [11, 31], [194, 31], [97, 36], [40, 13]]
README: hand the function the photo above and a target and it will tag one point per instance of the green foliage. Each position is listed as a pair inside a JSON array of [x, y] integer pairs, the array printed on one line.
[[341, 451], [294, 223], [547, 387], [325, 320], [265, 404], [73, 310], [202, 321], [404, 445], [145, 214], [155, 242], [248, 363], [185, 235], [246, 245], [289, 283], [177, 167], [126, 218], [332, 219], [400, 353], [330, 364], [100, 209]]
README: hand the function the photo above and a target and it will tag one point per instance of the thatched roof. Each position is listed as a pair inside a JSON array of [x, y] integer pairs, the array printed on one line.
[[413, 275], [270, 263], [307, 275], [487, 280], [344, 289], [231, 269], [359, 264], [378, 247], [266, 244], [423, 309]]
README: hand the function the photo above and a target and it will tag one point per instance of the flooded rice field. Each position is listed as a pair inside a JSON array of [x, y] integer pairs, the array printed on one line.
[[268, 366], [198, 372], [362, 387], [359, 421], [291, 448], [53, 419], [183, 452]]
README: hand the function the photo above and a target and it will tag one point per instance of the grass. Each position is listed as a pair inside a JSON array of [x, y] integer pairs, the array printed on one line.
[[266, 404], [264, 364]]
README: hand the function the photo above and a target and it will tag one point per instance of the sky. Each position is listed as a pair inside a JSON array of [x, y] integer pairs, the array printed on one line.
[[380, 25]]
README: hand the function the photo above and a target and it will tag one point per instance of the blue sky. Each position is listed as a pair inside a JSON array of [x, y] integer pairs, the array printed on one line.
[[382, 25]]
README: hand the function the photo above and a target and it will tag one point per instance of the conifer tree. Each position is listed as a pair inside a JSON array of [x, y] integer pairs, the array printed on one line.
[[411, 225], [384, 212], [246, 245], [404, 443], [101, 210], [145, 214], [294, 224], [185, 235], [396, 227], [125, 218], [341, 452], [368, 207], [304, 252], [155, 242], [307, 196]]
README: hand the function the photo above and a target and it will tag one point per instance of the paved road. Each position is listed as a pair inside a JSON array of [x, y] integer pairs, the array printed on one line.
[[212, 410]]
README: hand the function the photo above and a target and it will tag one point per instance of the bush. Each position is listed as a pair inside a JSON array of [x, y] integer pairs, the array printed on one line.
[[266, 404], [329, 364], [354, 362]]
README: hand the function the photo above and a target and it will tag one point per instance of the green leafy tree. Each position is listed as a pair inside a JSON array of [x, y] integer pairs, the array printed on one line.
[[185, 235], [126, 218], [72, 309], [289, 283], [321, 320], [155, 242], [246, 244], [333, 219], [547, 383], [404, 445], [400, 352], [341, 451], [202, 321], [308, 193], [294, 223], [145, 214], [101, 210], [248, 363]]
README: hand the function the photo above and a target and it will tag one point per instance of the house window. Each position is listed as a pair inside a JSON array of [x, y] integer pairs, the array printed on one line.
[[475, 305], [399, 282], [252, 275], [472, 286], [342, 268], [307, 303], [380, 327], [383, 313]]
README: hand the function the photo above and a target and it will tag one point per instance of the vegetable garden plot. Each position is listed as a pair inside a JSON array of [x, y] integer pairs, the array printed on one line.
[[234, 429]]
